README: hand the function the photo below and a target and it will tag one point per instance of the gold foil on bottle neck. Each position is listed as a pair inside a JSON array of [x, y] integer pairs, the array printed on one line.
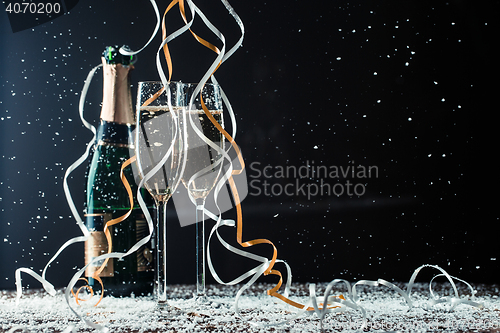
[[117, 99]]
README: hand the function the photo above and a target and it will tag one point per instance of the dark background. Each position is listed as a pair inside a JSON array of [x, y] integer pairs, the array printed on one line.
[[407, 86]]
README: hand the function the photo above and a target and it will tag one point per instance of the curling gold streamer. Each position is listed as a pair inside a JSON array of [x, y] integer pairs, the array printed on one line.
[[237, 201], [164, 36], [89, 288]]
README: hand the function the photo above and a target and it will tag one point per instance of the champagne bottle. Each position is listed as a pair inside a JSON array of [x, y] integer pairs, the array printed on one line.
[[107, 197]]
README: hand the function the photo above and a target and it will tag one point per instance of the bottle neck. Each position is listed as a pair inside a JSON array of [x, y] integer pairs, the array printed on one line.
[[117, 97]]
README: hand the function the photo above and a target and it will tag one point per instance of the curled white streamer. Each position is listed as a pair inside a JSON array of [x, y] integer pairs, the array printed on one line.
[[147, 176], [197, 89], [46, 284], [86, 234], [257, 271]]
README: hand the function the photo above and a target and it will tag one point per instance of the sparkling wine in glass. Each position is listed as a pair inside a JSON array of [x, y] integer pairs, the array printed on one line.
[[160, 156], [204, 143]]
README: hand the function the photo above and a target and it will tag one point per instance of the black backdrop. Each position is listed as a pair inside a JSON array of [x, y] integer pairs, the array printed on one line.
[[406, 86]]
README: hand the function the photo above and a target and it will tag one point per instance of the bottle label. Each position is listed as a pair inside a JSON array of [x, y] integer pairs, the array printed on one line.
[[97, 245], [144, 253]]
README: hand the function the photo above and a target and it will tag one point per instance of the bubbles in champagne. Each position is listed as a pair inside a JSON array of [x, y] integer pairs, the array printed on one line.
[[203, 162], [158, 149]]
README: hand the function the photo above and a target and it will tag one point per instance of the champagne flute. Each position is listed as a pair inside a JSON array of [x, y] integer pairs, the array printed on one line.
[[160, 157], [203, 162]]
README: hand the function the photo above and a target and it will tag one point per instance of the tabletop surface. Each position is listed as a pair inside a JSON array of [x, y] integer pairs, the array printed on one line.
[[385, 310]]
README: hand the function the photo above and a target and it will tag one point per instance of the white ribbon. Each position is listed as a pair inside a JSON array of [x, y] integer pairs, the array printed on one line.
[[46, 284], [155, 31], [86, 234]]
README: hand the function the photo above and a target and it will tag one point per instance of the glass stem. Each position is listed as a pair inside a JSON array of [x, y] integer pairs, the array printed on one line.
[[200, 248], [161, 252]]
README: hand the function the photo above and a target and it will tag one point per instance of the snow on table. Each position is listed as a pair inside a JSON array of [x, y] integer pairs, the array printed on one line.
[[385, 311]]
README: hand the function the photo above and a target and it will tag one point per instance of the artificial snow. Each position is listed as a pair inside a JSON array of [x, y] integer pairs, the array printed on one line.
[[385, 310]]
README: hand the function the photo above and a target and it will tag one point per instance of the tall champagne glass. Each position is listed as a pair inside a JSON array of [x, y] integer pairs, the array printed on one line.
[[159, 151], [203, 162]]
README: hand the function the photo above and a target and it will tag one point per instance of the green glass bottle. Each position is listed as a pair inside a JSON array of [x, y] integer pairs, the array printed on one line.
[[107, 197]]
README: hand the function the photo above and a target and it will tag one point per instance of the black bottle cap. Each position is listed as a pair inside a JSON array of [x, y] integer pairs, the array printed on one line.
[[113, 56]]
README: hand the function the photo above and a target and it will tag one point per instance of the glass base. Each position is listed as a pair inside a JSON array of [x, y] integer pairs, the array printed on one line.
[[201, 299], [162, 305], [164, 310]]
